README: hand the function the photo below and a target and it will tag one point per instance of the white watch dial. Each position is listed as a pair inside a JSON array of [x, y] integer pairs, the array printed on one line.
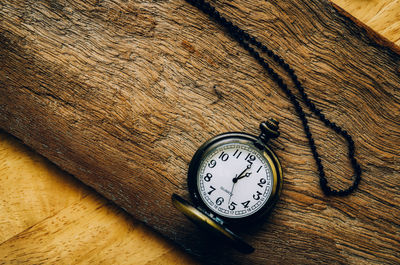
[[235, 180]]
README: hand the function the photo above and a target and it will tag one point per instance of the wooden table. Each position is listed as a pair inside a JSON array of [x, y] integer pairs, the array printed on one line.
[[47, 216]]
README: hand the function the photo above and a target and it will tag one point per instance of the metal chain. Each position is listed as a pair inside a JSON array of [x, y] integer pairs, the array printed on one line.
[[246, 40]]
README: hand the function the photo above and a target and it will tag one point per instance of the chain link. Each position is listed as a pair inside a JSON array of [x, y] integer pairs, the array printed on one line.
[[246, 40]]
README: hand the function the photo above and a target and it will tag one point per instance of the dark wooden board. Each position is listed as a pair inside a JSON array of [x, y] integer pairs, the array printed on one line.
[[122, 93]]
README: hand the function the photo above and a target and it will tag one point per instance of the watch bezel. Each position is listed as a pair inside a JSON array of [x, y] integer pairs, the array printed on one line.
[[237, 137]]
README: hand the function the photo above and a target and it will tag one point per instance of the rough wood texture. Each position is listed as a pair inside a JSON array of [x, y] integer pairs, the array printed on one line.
[[115, 87]]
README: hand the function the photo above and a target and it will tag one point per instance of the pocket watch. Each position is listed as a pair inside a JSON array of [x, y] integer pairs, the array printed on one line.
[[233, 179]]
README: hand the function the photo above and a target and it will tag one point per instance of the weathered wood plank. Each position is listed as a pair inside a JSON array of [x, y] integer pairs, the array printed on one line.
[[117, 85]]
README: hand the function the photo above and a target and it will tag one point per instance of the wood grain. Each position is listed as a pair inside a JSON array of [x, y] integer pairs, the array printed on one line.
[[49, 217], [382, 16], [30, 188], [105, 105], [79, 226]]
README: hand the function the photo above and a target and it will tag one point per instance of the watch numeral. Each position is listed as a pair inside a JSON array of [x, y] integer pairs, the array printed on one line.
[[219, 201], [257, 196], [208, 177], [259, 169], [262, 182], [211, 191], [237, 153], [232, 206], [223, 156], [250, 158], [212, 163], [245, 204]]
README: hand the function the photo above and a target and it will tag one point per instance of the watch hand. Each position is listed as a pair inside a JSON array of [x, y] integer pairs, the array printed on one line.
[[230, 195], [235, 179], [245, 175]]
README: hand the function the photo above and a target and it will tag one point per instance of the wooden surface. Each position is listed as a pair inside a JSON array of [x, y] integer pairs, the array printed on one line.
[[383, 16], [70, 226], [47, 216]]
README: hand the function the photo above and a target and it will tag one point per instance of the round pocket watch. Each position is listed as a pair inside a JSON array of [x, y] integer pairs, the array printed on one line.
[[233, 179]]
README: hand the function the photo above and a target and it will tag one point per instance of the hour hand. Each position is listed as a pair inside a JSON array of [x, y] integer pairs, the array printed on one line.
[[242, 175]]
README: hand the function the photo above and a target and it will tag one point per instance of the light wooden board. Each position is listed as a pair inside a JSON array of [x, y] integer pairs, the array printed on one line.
[[47, 216], [381, 15]]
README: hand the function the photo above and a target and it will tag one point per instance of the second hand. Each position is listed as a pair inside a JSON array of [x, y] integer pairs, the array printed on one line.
[[236, 178], [231, 193]]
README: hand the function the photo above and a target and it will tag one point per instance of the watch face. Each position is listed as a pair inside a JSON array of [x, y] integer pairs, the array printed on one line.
[[234, 178]]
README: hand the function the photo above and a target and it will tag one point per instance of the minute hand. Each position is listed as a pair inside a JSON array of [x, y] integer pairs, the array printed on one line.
[[242, 175]]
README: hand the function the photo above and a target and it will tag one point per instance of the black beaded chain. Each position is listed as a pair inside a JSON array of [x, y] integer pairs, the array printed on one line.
[[245, 40]]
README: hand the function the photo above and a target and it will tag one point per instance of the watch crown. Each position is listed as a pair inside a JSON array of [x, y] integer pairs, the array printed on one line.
[[269, 130]]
